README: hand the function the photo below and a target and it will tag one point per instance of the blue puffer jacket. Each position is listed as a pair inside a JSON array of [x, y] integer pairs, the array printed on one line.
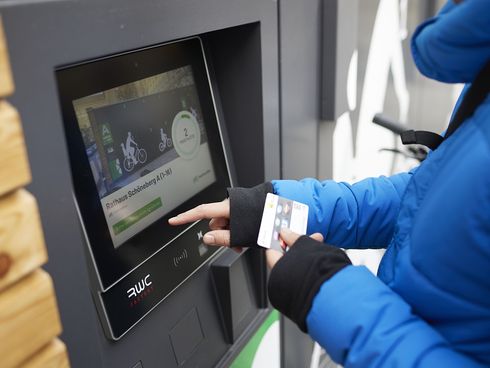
[[430, 304]]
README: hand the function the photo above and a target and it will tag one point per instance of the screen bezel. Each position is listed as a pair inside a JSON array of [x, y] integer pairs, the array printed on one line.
[[87, 78]]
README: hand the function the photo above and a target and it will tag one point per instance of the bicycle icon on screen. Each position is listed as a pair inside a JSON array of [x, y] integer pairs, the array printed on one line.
[[166, 141], [133, 154]]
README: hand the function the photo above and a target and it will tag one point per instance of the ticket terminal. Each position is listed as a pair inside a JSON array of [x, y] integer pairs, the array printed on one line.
[[145, 143], [134, 112]]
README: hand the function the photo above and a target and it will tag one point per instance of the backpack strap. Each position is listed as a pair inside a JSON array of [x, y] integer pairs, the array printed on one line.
[[475, 95], [423, 137]]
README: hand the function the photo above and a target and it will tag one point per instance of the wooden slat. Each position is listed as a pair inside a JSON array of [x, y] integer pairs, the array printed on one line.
[[22, 246], [53, 355], [14, 165], [28, 318], [6, 81]]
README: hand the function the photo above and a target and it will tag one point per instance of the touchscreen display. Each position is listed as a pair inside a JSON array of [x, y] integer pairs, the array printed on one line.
[[147, 148]]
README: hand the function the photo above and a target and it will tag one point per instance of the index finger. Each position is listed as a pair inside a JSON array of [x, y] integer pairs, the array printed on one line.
[[203, 211]]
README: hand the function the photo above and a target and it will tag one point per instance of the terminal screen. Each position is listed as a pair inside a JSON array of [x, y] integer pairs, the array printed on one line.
[[147, 147]]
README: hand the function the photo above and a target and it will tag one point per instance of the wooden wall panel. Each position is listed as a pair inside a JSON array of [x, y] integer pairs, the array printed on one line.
[[29, 320], [22, 247], [14, 165], [28, 317], [53, 355], [6, 81]]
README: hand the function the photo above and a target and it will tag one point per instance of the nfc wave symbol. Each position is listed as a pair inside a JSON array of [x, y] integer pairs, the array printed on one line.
[[183, 256]]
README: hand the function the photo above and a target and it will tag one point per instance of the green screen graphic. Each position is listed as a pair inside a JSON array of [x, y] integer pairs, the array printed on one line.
[[106, 134], [137, 216], [115, 169]]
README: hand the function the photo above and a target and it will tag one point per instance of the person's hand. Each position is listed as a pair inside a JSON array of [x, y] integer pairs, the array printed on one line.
[[297, 276], [219, 215], [289, 237]]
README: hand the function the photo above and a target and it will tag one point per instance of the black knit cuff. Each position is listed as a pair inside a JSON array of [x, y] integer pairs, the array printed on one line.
[[298, 275], [246, 207]]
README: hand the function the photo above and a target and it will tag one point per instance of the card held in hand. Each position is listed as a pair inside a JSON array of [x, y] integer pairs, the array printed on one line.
[[279, 213]]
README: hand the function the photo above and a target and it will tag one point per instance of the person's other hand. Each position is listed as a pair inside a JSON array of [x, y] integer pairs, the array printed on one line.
[[297, 276], [289, 237], [219, 215]]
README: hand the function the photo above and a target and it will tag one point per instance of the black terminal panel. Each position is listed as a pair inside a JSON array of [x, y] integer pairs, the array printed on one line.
[[144, 144]]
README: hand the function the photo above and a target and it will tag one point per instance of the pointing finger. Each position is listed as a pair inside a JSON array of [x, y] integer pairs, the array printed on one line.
[[203, 211]]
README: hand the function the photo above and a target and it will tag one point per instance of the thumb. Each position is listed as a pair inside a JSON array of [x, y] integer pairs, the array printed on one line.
[[317, 237], [217, 237], [288, 236]]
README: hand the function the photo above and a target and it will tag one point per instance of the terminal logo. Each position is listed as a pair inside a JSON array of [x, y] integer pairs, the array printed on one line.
[[140, 290]]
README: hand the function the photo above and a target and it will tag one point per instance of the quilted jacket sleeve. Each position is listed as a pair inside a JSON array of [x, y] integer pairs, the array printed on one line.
[[362, 215], [385, 334]]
